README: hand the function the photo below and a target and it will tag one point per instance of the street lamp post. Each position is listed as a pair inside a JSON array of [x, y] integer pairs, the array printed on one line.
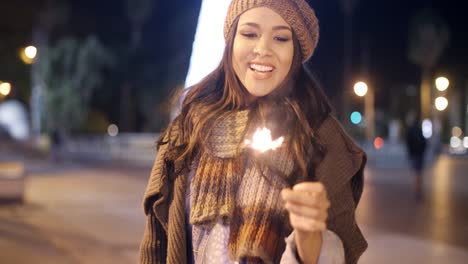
[[29, 55], [440, 103], [441, 84], [362, 90]]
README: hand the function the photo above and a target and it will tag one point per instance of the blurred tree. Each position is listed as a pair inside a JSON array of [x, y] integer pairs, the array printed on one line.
[[71, 71], [138, 12], [97, 122], [54, 14], [161, 84], [428, 36]]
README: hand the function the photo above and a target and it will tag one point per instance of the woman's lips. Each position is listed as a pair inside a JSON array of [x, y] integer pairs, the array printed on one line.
[[261, 71], [261, 67]]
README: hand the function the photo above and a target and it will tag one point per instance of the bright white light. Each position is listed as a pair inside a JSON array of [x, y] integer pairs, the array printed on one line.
[[465, 142], [30, 52], [456, 132], [14, 118], [360, 88], [442, 83], [455, 142], [5, 88], [427, 128], [113, 130], [262, 140], [441, 103], [208, 46]]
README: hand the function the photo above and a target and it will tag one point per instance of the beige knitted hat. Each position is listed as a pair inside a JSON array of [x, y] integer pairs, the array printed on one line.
[[297, 13]]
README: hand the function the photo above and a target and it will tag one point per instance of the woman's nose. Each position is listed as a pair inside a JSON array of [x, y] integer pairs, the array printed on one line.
[[262, 47]]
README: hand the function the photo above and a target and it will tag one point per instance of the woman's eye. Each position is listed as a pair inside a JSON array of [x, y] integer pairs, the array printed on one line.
[[282, 39], [249, 35]]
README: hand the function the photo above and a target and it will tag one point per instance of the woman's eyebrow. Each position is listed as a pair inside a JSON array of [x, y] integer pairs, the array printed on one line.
[[282, 28], [255, 25]]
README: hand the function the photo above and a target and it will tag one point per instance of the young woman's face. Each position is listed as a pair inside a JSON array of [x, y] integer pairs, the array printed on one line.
[[263, 50]]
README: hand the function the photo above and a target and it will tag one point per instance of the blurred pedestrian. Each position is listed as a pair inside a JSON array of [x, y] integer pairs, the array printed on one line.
[[217, 195], [56, 146], [416, 148]]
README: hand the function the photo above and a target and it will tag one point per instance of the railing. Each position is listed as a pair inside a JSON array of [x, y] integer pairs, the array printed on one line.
[[132, 147]]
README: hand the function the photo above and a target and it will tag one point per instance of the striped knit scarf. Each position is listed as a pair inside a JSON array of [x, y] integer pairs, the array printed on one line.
[[242, 189]]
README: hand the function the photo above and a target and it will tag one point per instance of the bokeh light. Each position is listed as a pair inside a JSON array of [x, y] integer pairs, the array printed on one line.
[[30, 52], [441, 103], [465, 142], [442, 83], [427, 128], [113, 130], [378, 143], [360, 88], [456, 132], [5, 88], [356, 117], [455, 142]]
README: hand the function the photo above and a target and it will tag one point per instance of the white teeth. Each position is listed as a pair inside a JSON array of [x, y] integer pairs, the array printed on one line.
[[261, 68]]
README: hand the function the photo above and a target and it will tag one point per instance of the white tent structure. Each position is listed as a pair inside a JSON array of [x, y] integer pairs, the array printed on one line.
[[14, 119], [208, 46]]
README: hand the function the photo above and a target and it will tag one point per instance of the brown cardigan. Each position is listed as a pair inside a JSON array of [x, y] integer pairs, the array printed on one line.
[[341, 171]]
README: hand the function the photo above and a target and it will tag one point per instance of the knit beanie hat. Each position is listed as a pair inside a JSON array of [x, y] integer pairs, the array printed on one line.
[[297, 13]]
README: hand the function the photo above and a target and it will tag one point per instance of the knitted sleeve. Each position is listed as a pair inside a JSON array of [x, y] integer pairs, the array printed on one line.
[[154, 243], [153, 247]]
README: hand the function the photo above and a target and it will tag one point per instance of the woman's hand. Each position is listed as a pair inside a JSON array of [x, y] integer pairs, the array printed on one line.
[[307, 204]]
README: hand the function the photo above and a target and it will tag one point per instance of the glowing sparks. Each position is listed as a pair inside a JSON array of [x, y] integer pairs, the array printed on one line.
[[262, 140]]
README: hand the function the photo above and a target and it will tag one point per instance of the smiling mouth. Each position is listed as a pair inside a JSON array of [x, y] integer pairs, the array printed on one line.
[[260, 68]]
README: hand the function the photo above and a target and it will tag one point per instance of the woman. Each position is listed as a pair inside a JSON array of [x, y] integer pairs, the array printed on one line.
[[213, 198]]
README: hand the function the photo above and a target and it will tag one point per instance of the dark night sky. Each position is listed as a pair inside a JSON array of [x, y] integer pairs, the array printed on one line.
[[383, 23], [385, 26]]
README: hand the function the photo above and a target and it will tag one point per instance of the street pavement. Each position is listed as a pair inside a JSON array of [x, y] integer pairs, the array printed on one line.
[[402, 229], [91, 213]]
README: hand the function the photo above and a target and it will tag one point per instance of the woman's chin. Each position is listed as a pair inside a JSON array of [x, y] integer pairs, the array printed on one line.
[[258, 92]]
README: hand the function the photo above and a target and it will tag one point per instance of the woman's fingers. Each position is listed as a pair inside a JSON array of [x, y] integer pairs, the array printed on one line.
[[306, 211], [309, 198], [306, 224], [309, 187], [307, 204]]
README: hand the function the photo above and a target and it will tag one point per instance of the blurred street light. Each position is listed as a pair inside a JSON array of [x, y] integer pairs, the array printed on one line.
[[5, 88], [427, 128], [456, 132], [441, 103], [113, 130], [442, 83], [360, 88], [28, 54], [356, 118], [455, 142], [378, 143]]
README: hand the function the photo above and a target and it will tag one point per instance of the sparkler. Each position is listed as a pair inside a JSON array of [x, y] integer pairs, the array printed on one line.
[[262, 140]]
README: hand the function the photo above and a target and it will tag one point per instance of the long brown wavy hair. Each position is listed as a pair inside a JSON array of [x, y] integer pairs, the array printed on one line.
[[299, 100]]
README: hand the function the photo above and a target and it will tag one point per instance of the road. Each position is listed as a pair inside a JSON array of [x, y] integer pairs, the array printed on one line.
[[82, 214]]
